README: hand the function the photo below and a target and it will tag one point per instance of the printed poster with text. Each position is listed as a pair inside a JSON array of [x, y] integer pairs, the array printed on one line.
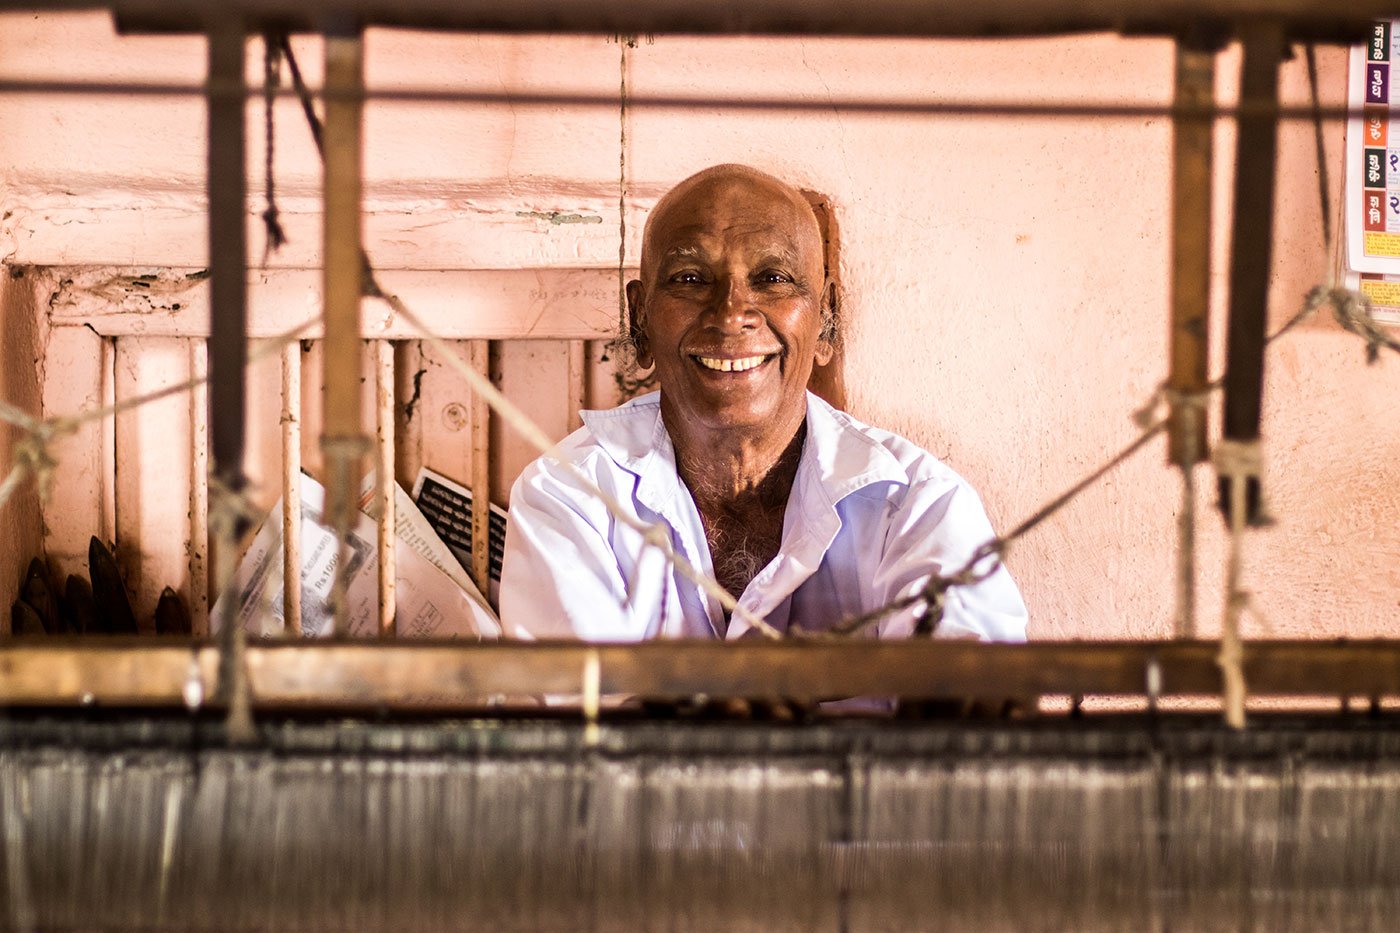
[[1373, 169]]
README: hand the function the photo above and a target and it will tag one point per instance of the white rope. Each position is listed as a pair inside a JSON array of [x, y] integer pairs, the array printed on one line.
[[31, 452], [1237, 462]]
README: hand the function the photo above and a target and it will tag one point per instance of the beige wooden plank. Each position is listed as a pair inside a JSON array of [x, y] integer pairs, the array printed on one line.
[[199, 490], [566, 304], [482, 463], [384, 483], [291, 487], [369, 675], [443, 413], [56, 229], [409, 373], [535, 375], [73, 381], [312, 396], [153, 467], [109, 442]]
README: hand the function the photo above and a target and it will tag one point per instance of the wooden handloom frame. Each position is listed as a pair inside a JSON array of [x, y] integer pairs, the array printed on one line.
[[372, 675]]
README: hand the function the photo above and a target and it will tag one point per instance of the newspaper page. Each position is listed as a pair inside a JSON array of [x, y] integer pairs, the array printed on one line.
[[429, 602], [414, 530], [448, 508], [1373, 170]]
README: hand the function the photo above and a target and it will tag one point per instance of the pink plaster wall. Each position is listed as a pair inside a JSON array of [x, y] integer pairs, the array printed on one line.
[[1005, 280]]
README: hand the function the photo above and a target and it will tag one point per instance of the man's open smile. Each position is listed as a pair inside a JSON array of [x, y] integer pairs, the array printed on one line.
[[733, 365]]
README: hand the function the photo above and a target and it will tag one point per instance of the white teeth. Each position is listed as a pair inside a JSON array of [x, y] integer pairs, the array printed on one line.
[[731, 366]]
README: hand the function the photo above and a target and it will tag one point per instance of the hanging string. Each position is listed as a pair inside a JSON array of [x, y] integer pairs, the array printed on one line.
[[623, 43], [272, 81], [303, 94]]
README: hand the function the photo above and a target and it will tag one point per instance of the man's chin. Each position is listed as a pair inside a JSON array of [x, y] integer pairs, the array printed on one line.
[[741, 418]]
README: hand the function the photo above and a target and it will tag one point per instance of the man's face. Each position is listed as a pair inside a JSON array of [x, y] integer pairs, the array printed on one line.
[[730, 305]]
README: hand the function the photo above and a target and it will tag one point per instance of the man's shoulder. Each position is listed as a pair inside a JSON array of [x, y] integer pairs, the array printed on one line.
[[854, 447], [609, 439]]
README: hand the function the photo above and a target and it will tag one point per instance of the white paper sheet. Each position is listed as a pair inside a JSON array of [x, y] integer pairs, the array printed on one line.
[[430, 602]]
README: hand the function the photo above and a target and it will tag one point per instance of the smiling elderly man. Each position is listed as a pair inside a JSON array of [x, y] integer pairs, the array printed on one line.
[[805, 514]]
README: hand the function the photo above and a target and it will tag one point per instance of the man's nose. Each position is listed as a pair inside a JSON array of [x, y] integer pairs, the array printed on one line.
[[734, 309]]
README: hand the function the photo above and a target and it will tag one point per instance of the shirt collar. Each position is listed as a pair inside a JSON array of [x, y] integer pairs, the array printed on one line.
[[839, 457]]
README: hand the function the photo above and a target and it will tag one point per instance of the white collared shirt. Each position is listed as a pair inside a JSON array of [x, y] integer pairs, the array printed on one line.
[[870, 517]]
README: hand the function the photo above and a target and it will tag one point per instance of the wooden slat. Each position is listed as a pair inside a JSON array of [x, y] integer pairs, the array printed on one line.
[[109, 442], [369, 675], [77, 377], [481, 472], [384, 483], [199, 491], [1192, 163], [153, 500], [1189, 352], [291, 488], [410, 372]]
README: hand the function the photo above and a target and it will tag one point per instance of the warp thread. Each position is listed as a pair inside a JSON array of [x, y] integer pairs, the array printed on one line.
[[272, 81], [230, 510], [31, 453]]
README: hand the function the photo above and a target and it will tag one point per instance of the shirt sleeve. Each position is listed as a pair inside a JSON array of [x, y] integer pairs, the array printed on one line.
[[568, 565], [936, 529]]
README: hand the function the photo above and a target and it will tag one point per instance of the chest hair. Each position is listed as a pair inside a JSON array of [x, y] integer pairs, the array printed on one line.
[[745, 529]]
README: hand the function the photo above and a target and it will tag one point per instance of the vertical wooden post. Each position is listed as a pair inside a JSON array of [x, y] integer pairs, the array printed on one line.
[[1251, 247], [199, 492], [385, 483], [228, 351], [1192, 158], [343, 442], [1192, 163], [1251, 250], [481, 472], [291, 488]]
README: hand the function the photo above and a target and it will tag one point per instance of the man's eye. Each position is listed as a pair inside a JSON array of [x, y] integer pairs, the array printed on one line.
[[773, 277], [687, 278]]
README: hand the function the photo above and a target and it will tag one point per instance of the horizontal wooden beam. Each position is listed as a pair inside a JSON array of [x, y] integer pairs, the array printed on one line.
[[341, 675], [542, 228], [493, 304], [1325, 18]]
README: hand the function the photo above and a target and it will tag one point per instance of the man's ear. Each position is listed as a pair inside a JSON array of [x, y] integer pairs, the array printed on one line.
[[636, 324], [827, 338]]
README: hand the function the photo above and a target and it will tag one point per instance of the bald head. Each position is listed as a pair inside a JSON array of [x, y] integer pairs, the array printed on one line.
[[727, 183]]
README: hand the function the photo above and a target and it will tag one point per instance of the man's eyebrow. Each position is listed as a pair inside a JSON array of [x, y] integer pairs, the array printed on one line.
[[681, 252], [776, 256]]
